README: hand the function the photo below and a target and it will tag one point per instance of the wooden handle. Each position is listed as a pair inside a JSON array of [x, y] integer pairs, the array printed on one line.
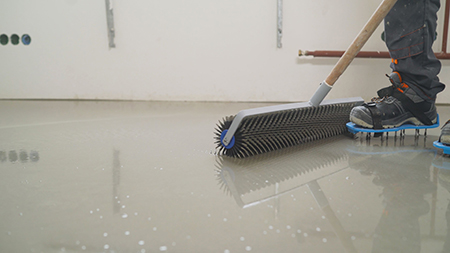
[[359, 41]]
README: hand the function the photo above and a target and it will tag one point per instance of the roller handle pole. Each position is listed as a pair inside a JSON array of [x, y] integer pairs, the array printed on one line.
[[359, 41]]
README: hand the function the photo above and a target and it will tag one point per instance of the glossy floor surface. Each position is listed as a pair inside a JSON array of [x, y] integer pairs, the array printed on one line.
[[144, 177]]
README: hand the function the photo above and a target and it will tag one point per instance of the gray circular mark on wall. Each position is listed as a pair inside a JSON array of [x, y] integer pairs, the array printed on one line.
[[4, 39], [15, 39]]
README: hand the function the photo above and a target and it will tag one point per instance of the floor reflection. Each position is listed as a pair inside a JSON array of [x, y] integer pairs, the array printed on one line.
[[405, 168], [21, 155], [116, 181], [443, 165], [404, 187], [143, 177], [242, 176]]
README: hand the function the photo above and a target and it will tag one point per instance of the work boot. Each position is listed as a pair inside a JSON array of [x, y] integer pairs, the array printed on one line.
[[396, 105], [445, 134]]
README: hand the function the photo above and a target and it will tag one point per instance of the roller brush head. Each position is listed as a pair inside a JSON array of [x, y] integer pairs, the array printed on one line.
[[263, 133]]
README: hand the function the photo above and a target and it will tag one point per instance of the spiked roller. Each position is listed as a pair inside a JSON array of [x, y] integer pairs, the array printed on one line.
[[289, 125], [265, 129]]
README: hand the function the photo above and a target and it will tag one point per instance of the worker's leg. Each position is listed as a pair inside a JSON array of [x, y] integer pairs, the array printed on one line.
[[410, 30]]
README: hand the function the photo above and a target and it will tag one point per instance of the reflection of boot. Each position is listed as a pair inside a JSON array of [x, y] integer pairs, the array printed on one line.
[[392, 158], [398, 229], [404, 187], [442, 163]]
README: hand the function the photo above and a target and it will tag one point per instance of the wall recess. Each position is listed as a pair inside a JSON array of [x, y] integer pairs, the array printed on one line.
[[4, 39]]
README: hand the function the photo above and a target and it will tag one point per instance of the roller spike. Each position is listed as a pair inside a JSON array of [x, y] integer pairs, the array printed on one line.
[[263, 133]]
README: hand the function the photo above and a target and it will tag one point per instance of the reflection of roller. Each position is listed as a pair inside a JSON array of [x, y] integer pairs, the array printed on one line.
[[242, 176], [239, 177]]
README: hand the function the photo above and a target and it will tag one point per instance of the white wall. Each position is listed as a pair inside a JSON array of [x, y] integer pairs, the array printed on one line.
[[208, 50]]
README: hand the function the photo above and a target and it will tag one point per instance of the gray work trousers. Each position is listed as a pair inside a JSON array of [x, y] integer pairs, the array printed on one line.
[[410, 30]]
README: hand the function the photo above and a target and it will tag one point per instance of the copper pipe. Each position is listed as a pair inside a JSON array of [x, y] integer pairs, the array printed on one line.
[[361, 54], [443, 55]]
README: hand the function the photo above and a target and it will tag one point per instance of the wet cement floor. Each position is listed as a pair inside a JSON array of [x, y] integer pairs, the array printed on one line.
[[144, 177]]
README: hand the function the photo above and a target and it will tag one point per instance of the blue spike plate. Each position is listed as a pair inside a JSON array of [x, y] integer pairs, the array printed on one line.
[[440, 145], [352, 128]]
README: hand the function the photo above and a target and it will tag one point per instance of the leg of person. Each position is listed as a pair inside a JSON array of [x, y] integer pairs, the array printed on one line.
[[410, 29]]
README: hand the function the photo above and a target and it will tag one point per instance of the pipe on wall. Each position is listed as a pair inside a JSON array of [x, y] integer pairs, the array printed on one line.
[[443, 55]]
